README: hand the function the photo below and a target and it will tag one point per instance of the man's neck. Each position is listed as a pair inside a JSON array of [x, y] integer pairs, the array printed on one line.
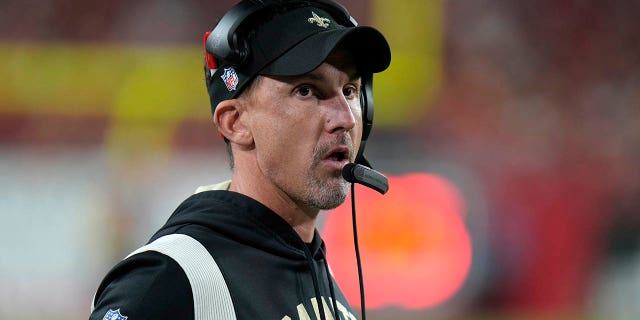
[[301, 219]]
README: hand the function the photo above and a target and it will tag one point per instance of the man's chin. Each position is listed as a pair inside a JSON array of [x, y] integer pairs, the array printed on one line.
[[331, 196]]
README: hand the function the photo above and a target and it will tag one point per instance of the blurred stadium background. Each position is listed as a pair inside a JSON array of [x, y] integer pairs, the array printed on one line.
[[510, 131]]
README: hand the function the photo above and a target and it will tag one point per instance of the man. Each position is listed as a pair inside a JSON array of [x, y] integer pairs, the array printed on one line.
[[287, 100]]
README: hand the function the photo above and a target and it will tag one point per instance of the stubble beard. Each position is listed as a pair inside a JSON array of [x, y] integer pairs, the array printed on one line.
[[324, 193]]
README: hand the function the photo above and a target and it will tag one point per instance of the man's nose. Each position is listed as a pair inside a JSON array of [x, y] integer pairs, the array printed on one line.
[[341, 114]]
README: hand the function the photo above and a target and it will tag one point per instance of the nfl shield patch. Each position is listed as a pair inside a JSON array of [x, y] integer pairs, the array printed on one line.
[[230, 78], [114, 315]]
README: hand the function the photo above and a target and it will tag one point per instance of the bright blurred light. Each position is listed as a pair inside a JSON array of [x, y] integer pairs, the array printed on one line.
[[415, 247]]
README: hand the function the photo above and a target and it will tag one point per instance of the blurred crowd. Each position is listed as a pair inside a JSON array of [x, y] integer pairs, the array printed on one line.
[[542, 102]]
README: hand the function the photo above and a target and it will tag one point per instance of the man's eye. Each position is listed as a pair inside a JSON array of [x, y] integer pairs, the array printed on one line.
[[349, 92], [304, 91]]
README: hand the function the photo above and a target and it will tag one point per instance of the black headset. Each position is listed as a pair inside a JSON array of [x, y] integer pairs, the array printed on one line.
[[228, 48]]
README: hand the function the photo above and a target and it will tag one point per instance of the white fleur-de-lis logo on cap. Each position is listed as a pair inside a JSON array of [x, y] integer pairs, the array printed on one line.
[[320, 21]]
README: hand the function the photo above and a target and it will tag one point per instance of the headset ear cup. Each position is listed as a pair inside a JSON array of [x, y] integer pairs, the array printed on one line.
[[240, 51], [210, 60], [366, 104], [222, 42]]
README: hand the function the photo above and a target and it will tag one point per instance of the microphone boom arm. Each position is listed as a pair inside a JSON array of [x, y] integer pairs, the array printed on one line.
[[357, 173]]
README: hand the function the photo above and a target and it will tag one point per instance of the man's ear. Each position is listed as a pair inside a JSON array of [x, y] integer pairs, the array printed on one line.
[[228, 117]]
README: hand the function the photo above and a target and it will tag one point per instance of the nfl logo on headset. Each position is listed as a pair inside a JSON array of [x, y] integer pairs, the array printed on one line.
[[114, 315], [230, 78]]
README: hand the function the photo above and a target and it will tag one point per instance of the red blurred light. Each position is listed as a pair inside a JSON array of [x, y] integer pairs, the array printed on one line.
[[415, 247]]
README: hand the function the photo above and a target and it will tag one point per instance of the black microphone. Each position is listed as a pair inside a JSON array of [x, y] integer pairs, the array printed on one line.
[[357, 173]]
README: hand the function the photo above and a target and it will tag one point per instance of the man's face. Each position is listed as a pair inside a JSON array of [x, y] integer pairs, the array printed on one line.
[[306, 128]]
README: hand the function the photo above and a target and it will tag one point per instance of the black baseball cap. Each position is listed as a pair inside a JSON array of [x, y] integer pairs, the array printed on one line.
[[295, 42]]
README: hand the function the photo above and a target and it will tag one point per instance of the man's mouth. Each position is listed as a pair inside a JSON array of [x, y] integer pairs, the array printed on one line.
[[339, 154]]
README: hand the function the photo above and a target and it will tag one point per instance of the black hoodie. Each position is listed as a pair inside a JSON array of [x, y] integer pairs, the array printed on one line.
[[269, 271]]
